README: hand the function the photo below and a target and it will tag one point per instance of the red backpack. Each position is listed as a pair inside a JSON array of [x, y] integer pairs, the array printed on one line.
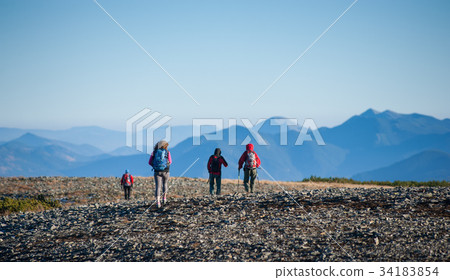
[[127, 180]]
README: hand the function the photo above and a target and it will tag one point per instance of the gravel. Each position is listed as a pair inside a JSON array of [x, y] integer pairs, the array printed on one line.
[[310, 224]]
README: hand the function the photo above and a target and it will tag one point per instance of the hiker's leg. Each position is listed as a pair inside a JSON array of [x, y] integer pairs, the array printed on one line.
[[165, 179], [252, 179], [158, 183], [129, 192], [218, 182], [211, 184], [246, 177], [125, 192]]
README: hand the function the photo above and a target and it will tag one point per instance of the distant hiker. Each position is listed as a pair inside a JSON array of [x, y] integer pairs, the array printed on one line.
[[252, 161], [161, 160], [214, 168], [127, 183]]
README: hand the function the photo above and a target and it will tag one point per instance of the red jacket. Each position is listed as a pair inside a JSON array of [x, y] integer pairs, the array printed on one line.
[[221, 161], [122, 182], [249, 148]]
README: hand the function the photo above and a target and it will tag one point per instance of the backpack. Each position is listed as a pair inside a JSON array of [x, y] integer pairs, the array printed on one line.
[[160, 161], [250, 162], [215, 164], [127, 180]]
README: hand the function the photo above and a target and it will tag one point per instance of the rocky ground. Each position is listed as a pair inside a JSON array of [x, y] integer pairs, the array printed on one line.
[[311, 222]]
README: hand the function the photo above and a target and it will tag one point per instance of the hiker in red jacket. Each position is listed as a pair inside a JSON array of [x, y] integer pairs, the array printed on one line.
[[214, 168], [252, 161], [127, 183]]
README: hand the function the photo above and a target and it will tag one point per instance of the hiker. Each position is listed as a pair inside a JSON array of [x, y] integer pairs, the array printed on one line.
[[252, 161], [214, 168], [127, 183], [161, 160]]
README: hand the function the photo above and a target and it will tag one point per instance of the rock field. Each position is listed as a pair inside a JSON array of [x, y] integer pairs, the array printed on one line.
[[311, 222]]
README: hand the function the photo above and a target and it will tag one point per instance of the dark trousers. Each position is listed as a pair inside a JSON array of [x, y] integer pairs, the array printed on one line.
[[218, 179], [249, 174], [127, 191]]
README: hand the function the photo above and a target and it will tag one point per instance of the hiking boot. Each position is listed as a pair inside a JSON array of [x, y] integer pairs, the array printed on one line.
[[158, 202]]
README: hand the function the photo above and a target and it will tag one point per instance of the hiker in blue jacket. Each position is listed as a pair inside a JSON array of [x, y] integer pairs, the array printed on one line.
[[161, 160]]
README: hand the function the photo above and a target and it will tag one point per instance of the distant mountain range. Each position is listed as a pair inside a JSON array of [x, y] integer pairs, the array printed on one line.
[[106, 140], [370, 146], [30, 155], [424, 166]]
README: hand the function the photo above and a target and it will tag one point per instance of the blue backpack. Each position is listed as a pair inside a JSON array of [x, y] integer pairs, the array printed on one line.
[[160, 160]]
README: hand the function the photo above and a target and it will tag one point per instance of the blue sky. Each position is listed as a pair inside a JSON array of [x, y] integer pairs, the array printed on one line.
[[66, 63]]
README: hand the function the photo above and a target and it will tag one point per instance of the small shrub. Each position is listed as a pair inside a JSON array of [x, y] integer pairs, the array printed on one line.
[[38, 203], [383, 183]]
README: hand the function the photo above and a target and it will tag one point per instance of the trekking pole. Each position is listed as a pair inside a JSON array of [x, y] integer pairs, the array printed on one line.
[[257, 178]]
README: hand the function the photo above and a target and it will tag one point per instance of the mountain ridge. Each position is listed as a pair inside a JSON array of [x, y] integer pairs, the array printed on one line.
[[424, 166], [364, 142]]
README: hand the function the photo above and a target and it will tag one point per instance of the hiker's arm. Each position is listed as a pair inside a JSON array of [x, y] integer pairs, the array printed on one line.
[[209, 165], [258, 161], [150, 161], [224, 162], [241, 160], [169, 157]]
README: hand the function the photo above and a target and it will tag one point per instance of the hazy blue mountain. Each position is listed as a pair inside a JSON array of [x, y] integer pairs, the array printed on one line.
[[179, 133], [124, 151], [104, 139], [282, 162], [376, 139], [424, 166], [31, 140], [365, 142], [272, 125], [7, 134], [373, 129], [288, 162], [114, 166], [31, 155]]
